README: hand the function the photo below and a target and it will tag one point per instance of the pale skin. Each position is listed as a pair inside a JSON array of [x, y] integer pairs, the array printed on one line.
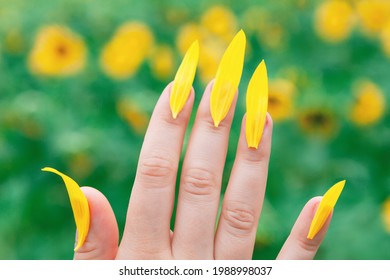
[[196, 235]]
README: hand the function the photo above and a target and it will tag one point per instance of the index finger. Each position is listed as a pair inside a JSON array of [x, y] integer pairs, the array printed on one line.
[[147, 226]]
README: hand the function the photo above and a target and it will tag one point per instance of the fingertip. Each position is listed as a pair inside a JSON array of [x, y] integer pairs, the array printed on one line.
[[298, 245], [103, 235], [263, 150], [302, 227]]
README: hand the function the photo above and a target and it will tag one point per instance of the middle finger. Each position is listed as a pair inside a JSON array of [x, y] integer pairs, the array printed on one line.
[[200, 184]]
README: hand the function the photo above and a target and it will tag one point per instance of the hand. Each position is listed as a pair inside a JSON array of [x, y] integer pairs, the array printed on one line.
[[147, 233]]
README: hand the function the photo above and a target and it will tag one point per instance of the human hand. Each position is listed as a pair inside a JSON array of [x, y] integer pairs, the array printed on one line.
[[147, 233]]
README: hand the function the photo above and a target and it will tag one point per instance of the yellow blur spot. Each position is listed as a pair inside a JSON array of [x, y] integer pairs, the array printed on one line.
[[126, 51], [369, 104], [162, 62], [334, 20], [373, 15], [57, 51], [280, 99]]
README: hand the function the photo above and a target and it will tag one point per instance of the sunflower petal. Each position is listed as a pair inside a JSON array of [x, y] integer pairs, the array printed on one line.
[[256, 105], [325, 208], [183, 80], [79, 204], [227, 78]]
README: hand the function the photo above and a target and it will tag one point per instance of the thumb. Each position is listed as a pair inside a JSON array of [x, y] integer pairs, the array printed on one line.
[[103, 235]]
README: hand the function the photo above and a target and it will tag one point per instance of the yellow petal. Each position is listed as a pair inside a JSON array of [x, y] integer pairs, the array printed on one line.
[[79, 206], [183, 80], [325, 208], [256, 105], [227, 78]]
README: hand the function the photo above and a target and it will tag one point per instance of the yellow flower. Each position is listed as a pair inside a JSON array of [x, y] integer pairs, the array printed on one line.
[[326, 206], [256, 19], [220, 22], [79, 205], [210, 54], [268, 31], [385, 39], [133, 115], [57, 51], [386, 214], [162, 62], [318, 122], [188, 34], [373, 15], [369, 105], [211, 47], [127, 50], [334, 20], [280, 99]]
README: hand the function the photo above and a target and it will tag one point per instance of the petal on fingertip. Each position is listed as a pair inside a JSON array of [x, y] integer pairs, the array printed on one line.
[[183, 80], [228, 78], [325, 208], [256, 105], [79, 205]]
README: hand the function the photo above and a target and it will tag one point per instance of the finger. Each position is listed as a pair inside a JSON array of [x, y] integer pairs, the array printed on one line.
[[147, 229], [236, 233], [102, 240], [200, 184], [297, 245]]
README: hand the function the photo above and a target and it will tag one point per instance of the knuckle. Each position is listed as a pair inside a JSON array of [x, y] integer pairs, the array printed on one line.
[[167, 121], [199, 182], [240, 219], [89, 251], [307, 245], [156, 170]]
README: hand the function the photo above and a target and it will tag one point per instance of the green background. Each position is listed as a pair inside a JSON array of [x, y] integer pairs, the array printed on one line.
[[76, 117]]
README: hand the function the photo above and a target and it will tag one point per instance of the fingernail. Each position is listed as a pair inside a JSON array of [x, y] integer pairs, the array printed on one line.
[[256, 105], [183, 80], [325, 208], [79, 205], [227, 78]]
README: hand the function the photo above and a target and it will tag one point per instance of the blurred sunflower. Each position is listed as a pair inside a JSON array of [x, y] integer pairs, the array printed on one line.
[[132, 113], [211, 48], [369, 104], [386, 214], [373, 15], [334, 20], [162, 62], [267, 30], [126, 51], [255, 19], [385, 39], [221, 22], [319, 122], [187, 35], [57, 51], [280, 99], [209, 58]]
